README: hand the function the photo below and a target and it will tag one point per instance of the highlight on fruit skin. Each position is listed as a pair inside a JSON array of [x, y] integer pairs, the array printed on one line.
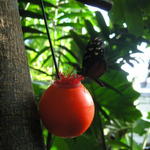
[[66, 107]]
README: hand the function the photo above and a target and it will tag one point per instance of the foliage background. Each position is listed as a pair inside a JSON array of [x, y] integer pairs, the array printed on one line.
[[71, 26]]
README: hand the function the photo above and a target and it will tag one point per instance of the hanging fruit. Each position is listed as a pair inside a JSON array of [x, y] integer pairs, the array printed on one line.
[[67, 108]]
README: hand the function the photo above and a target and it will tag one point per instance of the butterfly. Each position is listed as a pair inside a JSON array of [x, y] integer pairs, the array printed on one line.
[[94, 64]]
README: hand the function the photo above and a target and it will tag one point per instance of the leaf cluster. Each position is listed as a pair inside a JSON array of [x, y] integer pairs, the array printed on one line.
[[72, 25]]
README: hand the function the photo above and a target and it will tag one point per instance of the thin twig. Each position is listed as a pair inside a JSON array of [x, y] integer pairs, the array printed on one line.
[[49, 138], [131, 139], [41, 71], [102, 133], [101, 125], [49, 38], [104, 84]]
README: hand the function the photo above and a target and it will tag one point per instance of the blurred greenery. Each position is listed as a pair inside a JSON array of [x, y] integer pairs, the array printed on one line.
[[72, 25]]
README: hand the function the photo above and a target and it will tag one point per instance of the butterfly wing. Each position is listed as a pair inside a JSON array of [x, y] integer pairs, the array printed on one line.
[[94, 64]]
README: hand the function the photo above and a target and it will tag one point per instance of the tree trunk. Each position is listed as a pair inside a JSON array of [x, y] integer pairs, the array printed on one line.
[[19, 122]]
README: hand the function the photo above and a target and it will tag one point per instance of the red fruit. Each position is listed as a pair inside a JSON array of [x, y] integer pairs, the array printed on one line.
[[66, 108]]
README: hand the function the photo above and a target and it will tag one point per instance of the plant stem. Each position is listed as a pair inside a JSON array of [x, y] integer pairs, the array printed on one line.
[[145, 139], [100, 109], [131, 140], [100, 123], [102, 134], [49, 141], [49, 38]]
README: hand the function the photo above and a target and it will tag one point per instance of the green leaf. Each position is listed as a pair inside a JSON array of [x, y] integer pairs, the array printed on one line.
[[137, 146], [64, 37], [30, 14], [69, 25], [102, 25], [133, 17], [141, 127], [90, 29], [60, 144], [83, 143], [69, 51], [72, 4], [46, 60], [72, 15], [113, 101], [39, 70], [148, 117], [30, 48], [35, 37], [47, 4], [39, 53], [118, 144], [117, 12], [63, 56], [79, 42], [31, 30]]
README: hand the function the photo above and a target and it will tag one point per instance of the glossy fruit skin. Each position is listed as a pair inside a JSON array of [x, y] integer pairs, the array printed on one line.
[[66, 111]]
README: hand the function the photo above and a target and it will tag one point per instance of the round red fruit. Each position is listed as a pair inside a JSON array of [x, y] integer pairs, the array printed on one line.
[[67, 108]]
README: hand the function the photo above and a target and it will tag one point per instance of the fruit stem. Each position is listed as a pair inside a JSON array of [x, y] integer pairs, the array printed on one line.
[[49, 38], [49, 141]]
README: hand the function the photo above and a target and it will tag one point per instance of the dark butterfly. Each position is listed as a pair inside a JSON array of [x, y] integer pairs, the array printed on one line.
[[94, 64]]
